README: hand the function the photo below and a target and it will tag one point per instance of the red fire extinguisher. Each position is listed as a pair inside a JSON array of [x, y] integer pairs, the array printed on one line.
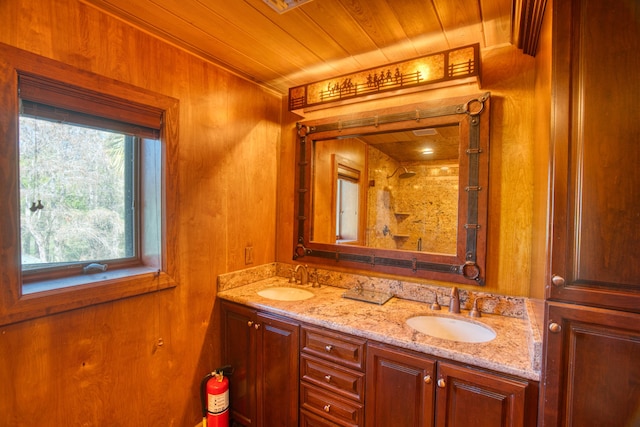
[[214, 396]]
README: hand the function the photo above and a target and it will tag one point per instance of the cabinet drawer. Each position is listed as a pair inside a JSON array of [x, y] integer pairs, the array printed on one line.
[[343, 381], [339, 348], [308, 419], [331, 406]]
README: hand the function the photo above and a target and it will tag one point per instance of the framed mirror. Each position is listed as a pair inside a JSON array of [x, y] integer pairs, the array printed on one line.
[[401, 191]]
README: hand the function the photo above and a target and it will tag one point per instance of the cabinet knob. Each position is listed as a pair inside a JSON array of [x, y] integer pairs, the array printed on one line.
[[554, 327], [327, 378], [557, 280], [256, 325], [328, 348], [249, 323], [427, 379], [442, 383], [327, 408]]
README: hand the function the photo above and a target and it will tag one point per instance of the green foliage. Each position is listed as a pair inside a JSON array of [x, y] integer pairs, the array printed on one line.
[[78, 175]]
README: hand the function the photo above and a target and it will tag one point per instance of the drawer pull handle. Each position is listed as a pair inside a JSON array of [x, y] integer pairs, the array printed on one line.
[[327, 408], [442, 383], [328, 348], [427, 379], [256, 325], [249, 323], [327, 378]]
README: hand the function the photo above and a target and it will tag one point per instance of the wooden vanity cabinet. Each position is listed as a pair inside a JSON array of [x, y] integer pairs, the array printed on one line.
[[286, 374], [409, 389], [331, 378], [263, 352]]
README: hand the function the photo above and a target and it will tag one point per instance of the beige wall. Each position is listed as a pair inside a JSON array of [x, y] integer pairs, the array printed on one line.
[[510, 77], [103, 365]]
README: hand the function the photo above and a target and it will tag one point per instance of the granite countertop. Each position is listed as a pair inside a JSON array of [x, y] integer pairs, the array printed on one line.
[[515, 350]]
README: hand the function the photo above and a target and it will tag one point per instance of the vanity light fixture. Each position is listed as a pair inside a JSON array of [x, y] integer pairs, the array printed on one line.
[[427, 151], [282, 6], [441, 69]]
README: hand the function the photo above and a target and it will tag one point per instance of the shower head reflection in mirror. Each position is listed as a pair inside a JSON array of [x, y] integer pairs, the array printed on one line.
[[404, 175]]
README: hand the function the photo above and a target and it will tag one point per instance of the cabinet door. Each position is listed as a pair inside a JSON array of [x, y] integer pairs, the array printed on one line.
[[277, 345], [595, 169], [470, 397], [399, 388], [592, 367], [239, 346]]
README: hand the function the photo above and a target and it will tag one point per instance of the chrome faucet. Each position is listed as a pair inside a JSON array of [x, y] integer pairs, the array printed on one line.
[[304, 273], [454, 301]]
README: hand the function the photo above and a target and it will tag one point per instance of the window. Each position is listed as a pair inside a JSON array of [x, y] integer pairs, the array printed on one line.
[[347, 200], [347, 210], [90, 189], [77, 197]]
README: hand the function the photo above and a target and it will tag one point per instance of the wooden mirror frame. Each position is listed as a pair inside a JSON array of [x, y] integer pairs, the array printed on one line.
[[467, 266]]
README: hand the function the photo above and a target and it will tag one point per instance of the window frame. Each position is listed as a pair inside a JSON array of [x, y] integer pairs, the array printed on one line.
[[158, 267]]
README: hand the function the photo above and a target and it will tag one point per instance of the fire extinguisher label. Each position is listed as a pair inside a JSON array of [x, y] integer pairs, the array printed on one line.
[[218, 403]]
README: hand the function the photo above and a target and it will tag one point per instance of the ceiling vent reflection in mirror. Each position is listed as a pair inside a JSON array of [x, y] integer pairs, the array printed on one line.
[[282, 6]]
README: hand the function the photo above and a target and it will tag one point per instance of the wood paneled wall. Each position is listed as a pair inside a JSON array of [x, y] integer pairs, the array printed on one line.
[[510, 77], [139, 361], [542, 134]]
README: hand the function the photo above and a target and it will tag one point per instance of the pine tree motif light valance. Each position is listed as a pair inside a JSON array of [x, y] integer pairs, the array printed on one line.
[[450, 67]]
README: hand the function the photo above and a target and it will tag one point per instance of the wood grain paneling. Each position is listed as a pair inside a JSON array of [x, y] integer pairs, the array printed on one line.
[[539, 276], [320, 39], [139, 361]]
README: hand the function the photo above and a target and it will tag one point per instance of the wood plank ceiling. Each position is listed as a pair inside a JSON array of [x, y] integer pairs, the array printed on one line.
[[319, 39]]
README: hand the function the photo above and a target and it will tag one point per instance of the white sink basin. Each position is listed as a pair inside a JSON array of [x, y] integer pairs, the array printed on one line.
[[451, 329], [285, 293]]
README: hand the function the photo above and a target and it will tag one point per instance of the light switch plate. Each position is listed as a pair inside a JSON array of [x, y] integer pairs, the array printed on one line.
[[248, 255]]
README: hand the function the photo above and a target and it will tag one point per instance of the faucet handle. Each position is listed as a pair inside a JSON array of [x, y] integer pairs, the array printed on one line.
[[475, 311], [313, 278], [292, 277], [435, 305]]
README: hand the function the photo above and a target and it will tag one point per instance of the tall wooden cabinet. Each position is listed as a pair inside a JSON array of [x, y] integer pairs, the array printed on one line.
[[592, 343], [262, 349]]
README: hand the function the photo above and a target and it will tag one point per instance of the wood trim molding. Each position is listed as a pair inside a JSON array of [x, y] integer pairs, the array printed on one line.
[[528, 18]]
